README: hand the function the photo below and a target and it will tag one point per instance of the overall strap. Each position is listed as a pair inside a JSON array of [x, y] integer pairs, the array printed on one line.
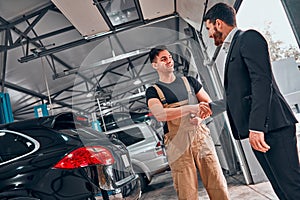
[[192, 99], [178, 104], [161, 95], [187, 85]]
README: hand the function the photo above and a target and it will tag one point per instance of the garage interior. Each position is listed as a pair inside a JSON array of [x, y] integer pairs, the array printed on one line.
[[91, 57]]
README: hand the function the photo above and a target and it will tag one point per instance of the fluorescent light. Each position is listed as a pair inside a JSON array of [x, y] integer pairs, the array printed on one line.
[[137, 82], [89, 95], [118, 57]]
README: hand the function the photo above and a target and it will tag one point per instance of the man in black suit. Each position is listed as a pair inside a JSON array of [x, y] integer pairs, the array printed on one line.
[[254, 104]]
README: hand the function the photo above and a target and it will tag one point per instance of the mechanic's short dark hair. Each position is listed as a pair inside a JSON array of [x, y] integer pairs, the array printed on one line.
[[155, 51], [223, 12]]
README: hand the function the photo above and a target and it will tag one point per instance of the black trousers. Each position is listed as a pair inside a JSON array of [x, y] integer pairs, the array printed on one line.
[[281, 162]]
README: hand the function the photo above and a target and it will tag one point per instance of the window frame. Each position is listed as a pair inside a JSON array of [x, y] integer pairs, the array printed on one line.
[[35, 143]]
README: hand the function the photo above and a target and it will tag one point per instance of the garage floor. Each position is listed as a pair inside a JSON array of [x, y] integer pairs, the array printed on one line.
[[161, 187]]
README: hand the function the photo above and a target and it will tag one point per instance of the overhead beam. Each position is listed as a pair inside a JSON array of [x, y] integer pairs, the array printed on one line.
[[9, 25], [18, 43], [4, 63], [38, 38], [84, 41], [39, 95]]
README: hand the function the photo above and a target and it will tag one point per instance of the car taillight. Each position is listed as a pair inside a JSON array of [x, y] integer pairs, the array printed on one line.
[[159, 149], [85, 156]]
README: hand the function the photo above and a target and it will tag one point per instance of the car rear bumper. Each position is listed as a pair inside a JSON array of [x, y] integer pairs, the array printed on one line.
[[155, 166], [129, 191]]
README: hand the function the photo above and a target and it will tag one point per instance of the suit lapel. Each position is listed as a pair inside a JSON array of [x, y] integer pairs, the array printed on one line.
[[228, 57]]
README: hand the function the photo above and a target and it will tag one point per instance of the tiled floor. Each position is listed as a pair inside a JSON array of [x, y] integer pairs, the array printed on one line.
[[161, 187]]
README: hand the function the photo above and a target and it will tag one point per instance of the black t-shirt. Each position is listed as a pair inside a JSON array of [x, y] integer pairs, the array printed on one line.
[[173, 92]]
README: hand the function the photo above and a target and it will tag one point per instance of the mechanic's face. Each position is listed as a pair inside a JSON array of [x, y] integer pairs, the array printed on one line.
[[164, 62], [214, 33]]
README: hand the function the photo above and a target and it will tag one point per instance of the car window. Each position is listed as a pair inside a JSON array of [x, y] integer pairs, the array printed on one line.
[[129, 136], [14, 145]]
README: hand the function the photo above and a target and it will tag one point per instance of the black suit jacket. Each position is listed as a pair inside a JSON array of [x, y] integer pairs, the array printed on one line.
[[253, 99]]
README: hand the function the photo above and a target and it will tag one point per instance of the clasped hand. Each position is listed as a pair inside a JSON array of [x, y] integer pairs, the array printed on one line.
[[202, 111]]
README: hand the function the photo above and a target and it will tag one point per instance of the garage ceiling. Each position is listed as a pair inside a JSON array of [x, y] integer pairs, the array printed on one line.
[[79, 54]]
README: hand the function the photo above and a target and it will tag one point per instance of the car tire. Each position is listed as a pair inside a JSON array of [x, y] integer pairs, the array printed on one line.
[[143, 181]]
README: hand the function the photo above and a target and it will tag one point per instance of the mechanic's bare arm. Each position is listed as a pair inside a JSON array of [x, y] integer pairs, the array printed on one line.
[[167, 114]]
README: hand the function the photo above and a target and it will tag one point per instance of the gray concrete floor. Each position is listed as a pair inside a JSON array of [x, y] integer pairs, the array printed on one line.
[[161, 187]]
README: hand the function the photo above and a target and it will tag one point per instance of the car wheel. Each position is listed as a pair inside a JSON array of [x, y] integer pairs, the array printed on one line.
[[104, 194], [144, 181]]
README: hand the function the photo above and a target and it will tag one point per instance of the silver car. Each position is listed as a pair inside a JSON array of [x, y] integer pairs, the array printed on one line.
[[145, 149]]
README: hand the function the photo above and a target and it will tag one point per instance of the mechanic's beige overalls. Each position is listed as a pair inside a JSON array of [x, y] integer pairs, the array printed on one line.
[[189, 146]]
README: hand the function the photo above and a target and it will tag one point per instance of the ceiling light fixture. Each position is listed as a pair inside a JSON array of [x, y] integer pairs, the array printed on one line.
[[88, 95], [137, 82], [117, 58]]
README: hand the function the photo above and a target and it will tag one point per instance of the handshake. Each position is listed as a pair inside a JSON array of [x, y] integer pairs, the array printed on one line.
[[204, 109], [201, 110]]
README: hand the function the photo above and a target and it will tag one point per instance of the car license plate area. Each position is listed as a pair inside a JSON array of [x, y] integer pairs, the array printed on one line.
[[125, 160]]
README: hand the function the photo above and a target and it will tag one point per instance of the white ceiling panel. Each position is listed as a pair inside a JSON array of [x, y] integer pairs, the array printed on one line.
[[191, 11], [84, 16], [156, 8]]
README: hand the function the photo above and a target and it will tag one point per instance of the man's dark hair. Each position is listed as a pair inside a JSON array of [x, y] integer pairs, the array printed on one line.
[[223, 12], [155, 51]]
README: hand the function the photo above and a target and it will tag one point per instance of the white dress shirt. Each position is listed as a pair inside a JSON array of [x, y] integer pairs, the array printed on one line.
[[227, 42]]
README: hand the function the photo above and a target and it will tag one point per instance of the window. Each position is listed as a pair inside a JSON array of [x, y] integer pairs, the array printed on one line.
[[120, 11], [130, 136], [271, 20], [14, 145]]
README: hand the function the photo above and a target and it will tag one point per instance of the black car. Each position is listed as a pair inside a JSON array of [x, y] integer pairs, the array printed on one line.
[[57, 157]]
